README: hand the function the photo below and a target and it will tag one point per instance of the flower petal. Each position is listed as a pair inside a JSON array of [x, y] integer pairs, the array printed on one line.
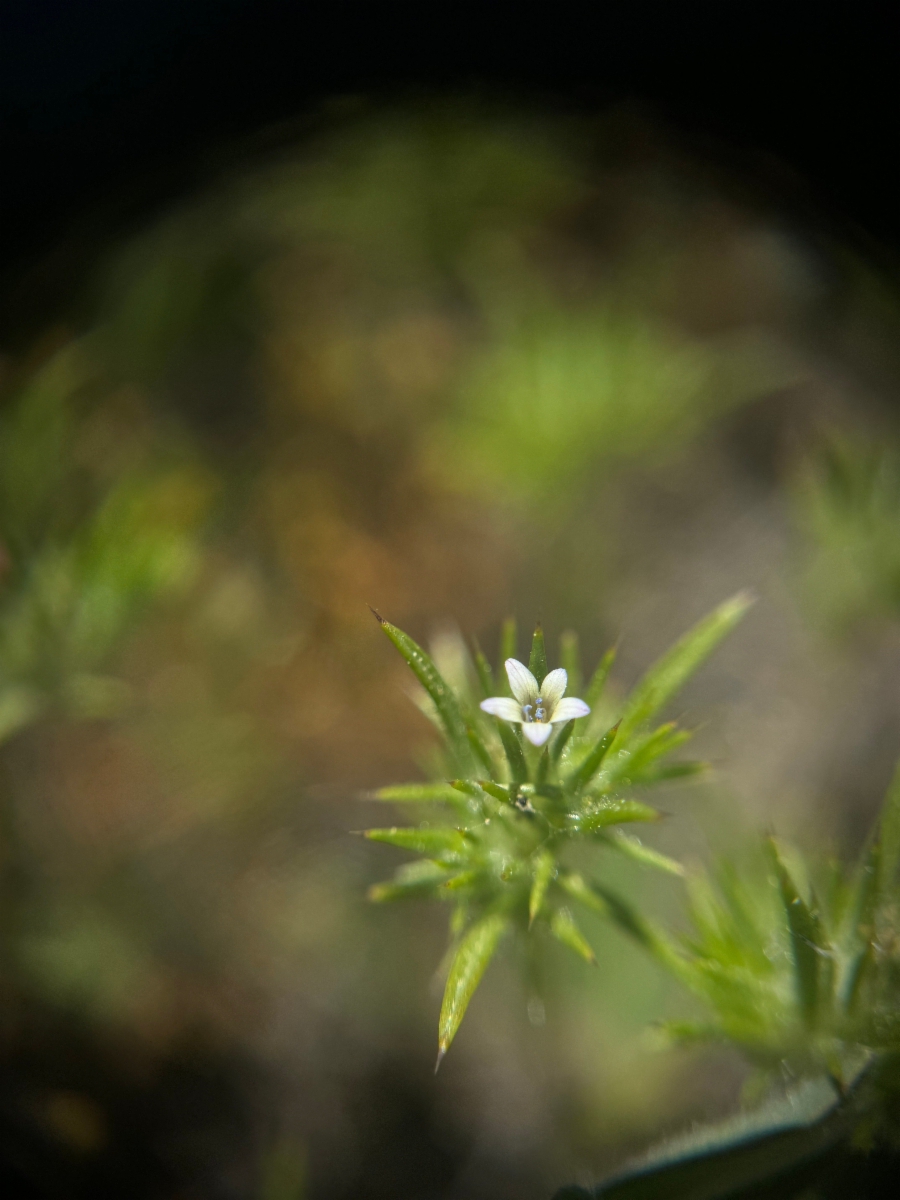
[[537, 732], [523, 683], [568, 709], [504, 707], [553, 689]]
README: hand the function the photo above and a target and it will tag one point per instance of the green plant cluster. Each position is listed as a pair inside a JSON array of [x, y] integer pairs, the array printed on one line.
[[848, 507], [800, 970], [499, 825], [796, 963], [83, 551], [799, 966]]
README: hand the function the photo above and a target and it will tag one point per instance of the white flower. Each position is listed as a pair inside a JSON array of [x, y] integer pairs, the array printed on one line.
[[536, 709]]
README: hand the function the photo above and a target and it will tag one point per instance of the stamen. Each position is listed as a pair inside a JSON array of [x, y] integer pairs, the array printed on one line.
[[539, 714], [526, 709]]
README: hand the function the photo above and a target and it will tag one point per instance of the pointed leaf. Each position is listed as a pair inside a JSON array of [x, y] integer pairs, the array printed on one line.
[[608, 812], [889, 837], [479, 751], [435, 843], [485, 674], [600, 899], [635, 849], [560, 741], [807, 943], [472, 956], [584, 773], [458, 921], [875, 879], [411, 879], [599, 678], [462, 880], [643, 752], [418, 793], [564, 929], [435, 685], [626, 917], [861, 920], [512, 748], [468, 787], [537, 662], [679, 770], [497, 790], [575, 885], [544, 869], [642, 931], [543, 768], [669, 674]]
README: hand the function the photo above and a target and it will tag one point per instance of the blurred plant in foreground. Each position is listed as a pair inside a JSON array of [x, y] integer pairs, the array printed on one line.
[[81, 554], [849, 506], [797, 964], [805, 981], [98, 523], [507, 810]]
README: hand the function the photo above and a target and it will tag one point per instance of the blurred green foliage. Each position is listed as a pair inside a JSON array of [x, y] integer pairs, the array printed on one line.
[[848, 501], [283, 1172], [83, 555], [101, 522], [801, 974], [560, 390]]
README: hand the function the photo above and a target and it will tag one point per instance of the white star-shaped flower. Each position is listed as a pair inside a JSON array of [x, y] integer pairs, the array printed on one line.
[[536, 709]]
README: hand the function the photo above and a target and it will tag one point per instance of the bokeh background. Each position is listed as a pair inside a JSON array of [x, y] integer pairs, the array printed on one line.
[[454, 357]]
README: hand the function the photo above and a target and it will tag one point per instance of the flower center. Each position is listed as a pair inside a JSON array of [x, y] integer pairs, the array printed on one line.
[[540, 713]]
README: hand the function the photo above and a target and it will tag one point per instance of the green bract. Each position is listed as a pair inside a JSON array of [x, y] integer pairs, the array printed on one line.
[[500, 821]]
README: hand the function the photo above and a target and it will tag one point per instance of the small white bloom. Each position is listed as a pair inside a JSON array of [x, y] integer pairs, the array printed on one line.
[[536, 709]]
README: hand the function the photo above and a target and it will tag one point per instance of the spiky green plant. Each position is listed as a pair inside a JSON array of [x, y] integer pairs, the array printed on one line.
[[798, 964], [847, 503], [503, 813]]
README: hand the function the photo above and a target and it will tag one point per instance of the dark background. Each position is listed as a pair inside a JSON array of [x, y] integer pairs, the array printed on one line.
[[109, 108]]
